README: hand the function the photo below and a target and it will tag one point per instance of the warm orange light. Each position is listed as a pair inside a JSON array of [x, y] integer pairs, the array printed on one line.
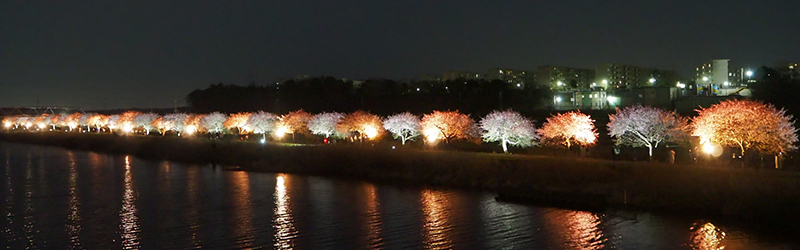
[[190, 129], [281, 131], [431, 134], [370, 132], [7, 124]]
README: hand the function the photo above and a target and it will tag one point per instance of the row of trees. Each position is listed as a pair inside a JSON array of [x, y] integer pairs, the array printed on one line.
[[744, 124], [381, 96]]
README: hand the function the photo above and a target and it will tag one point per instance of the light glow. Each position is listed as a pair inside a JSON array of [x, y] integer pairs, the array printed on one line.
[[189, 130], [370, 132], [281, 131], [431, 134]]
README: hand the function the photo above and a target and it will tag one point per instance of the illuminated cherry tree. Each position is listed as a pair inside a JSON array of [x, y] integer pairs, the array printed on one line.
[[127, 121], [324, 124], [644, 126], [145, 121], [175, 122], [508, 127], [41, 121], [213, 122], [261, 123], [237, 121], [746, 125], [567, 129], [447, 125], [404, 126], [361, 125], [193, 123], [292, 123], [97, 121], [83, 121], [73, 120], [112, 123]]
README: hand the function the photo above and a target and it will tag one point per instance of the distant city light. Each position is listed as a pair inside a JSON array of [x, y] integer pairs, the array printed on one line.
[[612, 99], [519, 85], [705, 78], [558, 99], [605, 81], [727, 83], [652, 80], [749, 73], [680, 85], [559, 83]]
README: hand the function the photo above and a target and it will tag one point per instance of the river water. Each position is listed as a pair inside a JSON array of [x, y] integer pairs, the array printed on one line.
[[59, 198]]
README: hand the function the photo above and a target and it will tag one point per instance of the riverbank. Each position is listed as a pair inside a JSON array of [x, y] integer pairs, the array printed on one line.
[[764, 197]]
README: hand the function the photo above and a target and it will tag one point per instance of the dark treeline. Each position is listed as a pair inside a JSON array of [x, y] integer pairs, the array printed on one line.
[[778, 89], [379, 96]]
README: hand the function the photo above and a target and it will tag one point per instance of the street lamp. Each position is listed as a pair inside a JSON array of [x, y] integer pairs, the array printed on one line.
[[749, 73], [652, 80]]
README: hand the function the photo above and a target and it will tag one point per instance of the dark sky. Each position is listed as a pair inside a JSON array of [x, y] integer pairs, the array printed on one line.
[[122, 54]]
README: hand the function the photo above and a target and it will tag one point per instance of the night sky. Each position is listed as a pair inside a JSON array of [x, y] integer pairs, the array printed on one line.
[[124, 54]]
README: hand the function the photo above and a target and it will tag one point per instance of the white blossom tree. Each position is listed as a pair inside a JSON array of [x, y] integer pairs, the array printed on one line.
[[112, 123], [324, 124], [646, 126], [175, 122], [404, 126], [145, 121], [213, 122], [262, 123], [508, 127]]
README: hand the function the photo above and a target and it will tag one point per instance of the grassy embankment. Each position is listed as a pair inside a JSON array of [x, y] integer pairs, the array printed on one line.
[[749, 195]]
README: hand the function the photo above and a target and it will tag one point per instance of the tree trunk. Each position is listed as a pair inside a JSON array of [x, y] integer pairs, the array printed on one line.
[[777, 166], [651, 152], [505, 147]]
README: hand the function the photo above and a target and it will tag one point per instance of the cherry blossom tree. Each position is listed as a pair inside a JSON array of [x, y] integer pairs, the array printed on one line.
[[508, 127], [83, 121], [646, 126], [746, 124], [567, 129], [213, 122], [193, 123], [127, 121], [292, 123], [262, 123], [112, 123], [324, 124], [361, 125], [237, 121], [175, 122], [73, 120], [404, 126], [97, 121], [447, 125], [42, 121], [145, 121]]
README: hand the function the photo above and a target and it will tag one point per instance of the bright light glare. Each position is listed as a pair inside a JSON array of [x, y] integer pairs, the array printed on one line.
[[127, 128], [370, 132], [605, 81], [431, 134], [652, 80], [560, 83], [558, 99], [705, 78], [749, 73], [190, 129], [7, 124], [281, 131], [41, 125]]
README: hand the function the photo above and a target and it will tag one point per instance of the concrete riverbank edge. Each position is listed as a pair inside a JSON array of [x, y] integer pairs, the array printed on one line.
[[763, 197]]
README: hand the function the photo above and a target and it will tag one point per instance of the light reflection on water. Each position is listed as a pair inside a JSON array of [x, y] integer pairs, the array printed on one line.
[[707, 236], [92, 201], [74, 218], [129, 221], [283, 223], [436, 227]]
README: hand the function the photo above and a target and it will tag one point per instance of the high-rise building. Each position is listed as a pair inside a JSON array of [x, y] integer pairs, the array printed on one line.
[[719, 73], [564, 78]]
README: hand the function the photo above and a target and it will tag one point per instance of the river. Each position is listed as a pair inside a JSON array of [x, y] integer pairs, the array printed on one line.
[[60, 198]]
